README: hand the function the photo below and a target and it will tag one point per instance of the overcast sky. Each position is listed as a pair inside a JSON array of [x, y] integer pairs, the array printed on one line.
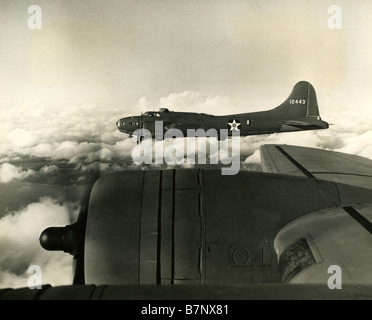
[[63, 87], [250, 51]]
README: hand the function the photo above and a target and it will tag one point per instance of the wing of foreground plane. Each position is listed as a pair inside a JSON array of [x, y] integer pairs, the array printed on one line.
[[340, 235], [317, 164]]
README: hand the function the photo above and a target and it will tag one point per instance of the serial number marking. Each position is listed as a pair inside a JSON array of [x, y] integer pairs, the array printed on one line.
[[297, 101], [206, 309], [259, 256]]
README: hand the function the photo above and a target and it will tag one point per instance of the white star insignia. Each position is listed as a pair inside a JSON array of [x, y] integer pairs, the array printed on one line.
[[234, 125]]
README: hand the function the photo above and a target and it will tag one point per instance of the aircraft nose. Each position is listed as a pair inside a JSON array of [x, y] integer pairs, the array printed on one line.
[[121, 124], [128, 124]]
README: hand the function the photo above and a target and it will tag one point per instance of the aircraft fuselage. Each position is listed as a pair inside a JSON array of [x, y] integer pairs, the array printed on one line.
[[263, 122]]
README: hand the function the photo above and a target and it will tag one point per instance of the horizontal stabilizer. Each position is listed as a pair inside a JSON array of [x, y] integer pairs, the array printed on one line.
[[317, 164], [296, 123]]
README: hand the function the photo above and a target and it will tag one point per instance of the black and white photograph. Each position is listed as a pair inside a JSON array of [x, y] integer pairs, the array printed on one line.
[[185, 150]]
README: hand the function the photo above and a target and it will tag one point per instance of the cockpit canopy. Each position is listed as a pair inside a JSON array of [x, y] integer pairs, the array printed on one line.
[[151, 114], [155, 113]]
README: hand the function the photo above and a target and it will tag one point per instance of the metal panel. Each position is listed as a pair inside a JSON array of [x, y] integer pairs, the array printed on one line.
[[149, 228], [166, 228], [113, 229], [243, 216], [187, 228]]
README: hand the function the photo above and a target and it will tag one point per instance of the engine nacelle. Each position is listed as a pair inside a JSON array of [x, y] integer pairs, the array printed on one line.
[[186, 227]]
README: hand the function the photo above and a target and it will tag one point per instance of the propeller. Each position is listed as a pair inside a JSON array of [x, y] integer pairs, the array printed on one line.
[[70, 238]]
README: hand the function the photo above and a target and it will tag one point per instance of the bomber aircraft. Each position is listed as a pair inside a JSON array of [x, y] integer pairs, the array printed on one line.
[[298, 112], [300, 229]]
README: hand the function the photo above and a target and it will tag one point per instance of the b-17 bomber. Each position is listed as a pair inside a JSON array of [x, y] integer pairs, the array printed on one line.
[[297, 113]]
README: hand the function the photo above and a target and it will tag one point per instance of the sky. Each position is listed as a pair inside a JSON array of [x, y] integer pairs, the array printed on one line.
[[117, 52], [62, 88]]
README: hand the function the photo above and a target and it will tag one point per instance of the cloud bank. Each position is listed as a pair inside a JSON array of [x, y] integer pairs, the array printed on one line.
[[86, 134], [20, 248], [8, 172]]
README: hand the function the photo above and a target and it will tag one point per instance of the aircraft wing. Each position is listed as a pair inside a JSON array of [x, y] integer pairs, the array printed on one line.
[[317, 164]]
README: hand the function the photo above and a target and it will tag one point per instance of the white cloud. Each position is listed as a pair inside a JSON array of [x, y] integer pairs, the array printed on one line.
[[48, 169], [254, 158], [95, 166], [20, 248], [21, 138], [87, 133], [358, 144], [349, 133], [9, 172], [195, 102], [144, 103]]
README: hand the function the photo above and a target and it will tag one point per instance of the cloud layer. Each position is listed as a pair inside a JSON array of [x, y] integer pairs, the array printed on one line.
[[20, 248], [8, 172], [86, 135]]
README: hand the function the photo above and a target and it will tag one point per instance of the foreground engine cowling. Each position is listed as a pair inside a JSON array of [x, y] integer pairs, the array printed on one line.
[[190, 226]]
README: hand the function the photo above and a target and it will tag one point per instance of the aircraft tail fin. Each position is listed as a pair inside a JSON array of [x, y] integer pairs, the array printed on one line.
[[302, 102]]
